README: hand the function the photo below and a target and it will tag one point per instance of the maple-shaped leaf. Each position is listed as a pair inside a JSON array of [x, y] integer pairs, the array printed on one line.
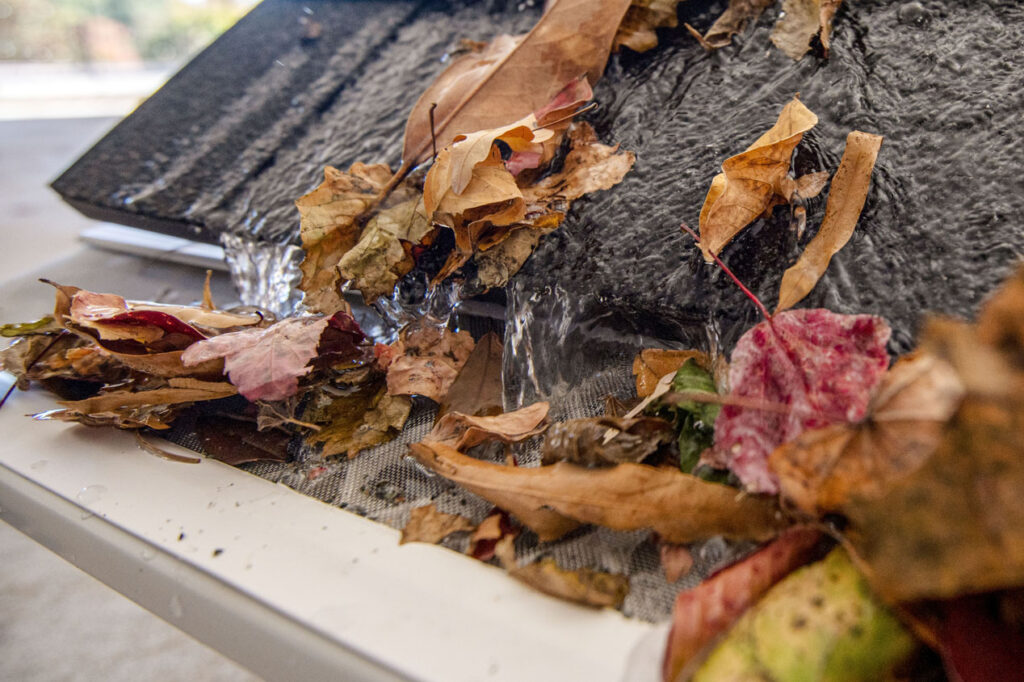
[[797, 370], [704, 612], [265, 364]]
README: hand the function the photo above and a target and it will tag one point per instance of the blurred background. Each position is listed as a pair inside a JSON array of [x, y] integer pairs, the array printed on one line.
[[69, 71], [78, 58]]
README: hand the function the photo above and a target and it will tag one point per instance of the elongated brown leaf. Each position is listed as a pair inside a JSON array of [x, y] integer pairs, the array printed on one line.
[[845, 202], [477, 391], [748, 181], [701, 614], [822, 469], [513, 77], [427, 524], [551, 500], [583, 586], [181, 390], [462, 431], [329, 229]]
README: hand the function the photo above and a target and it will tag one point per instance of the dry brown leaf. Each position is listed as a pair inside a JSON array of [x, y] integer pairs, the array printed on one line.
[[676, 561], [382, 255], [462, 431], [169, 364], [513, 77], [731, 22], [845, 202], [491, 194], [797, 24], [643, 16], [496, 528], [748, 181], [470, 149], [496, 266], [589, 166], [552, 500], [366, 417], [477, 391], [584, 586], [427, 524], [823, 469], [178, 391], [651, 364], [235, 442], [582, 441], [329, 228], [827, 14], [427, 359], [956, 525]]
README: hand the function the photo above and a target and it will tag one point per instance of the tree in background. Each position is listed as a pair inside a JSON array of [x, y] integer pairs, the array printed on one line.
[[112, 30]]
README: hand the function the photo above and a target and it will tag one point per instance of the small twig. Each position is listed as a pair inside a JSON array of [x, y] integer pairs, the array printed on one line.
[[593, 106], [160, 452], [433, 135], [29, 367], [725, 268]]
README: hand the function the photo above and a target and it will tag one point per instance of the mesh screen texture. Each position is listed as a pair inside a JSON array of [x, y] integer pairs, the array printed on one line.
[[384, 484]]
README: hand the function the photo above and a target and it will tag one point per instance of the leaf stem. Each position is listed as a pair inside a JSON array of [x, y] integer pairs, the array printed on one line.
[[725, 268]]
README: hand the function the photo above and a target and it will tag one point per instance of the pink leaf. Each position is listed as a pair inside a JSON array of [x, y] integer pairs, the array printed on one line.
[[265, 364], [809, 368], [704, 612]]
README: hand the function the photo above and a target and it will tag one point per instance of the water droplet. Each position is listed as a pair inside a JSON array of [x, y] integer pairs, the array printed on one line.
[[91, 494]]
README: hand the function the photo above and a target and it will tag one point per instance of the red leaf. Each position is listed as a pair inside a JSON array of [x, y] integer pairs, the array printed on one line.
[[265, 364], [707, 610], [975, 645], [809, 369]]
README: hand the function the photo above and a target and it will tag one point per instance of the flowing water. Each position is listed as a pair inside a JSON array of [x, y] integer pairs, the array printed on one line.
[[940, 80]]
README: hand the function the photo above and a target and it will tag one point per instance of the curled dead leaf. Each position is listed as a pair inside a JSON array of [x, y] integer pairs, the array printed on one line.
[[800, 22], [552, 500], [427, 359], [582, 441], [845, 201], [428, 524], [732, 21], [643, 16], [329, 228], [589, 167], [366, 416], [513, 77], [749, 180], [462, 431]]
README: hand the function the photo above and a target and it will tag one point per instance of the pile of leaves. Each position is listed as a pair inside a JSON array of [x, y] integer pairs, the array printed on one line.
[[883, 493]]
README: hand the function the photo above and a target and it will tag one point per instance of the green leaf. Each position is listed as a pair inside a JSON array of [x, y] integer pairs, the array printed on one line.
[[46, 325], [693, 420], [821, 623]]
